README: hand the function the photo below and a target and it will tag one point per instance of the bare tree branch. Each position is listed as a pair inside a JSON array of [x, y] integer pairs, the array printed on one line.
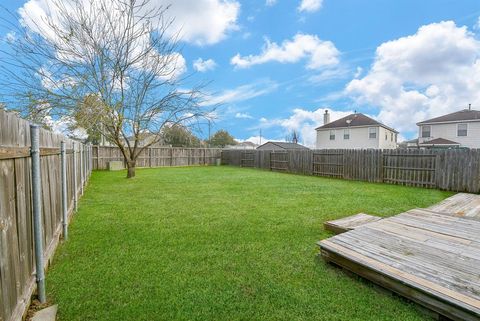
[[113, 65]]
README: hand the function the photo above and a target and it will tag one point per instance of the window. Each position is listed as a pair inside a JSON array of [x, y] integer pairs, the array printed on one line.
[[391, 137], [346, 134], [462, 130], [332, 135], [386, 136], [426, 131], [372, 132]]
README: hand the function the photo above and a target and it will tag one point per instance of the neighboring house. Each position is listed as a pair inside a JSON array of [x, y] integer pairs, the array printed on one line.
[[459, 129], [242, 145], [355, 131], [413, 143], [281, 146]]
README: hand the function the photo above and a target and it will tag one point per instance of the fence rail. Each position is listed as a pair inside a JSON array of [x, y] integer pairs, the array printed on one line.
[[157, 156], [453, 170], [17, 254]]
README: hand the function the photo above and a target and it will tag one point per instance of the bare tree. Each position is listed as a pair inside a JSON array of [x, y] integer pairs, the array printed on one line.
[[293, 137], [112, 64]]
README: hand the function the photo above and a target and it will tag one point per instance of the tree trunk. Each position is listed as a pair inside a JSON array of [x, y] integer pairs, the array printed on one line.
[[131, 169]]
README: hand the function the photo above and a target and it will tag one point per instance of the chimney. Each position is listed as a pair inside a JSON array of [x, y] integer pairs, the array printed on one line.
[[326, 117], [469, 106]]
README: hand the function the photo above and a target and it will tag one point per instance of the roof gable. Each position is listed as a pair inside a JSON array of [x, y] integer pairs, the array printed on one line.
[[462, 115], [440, 141], [354, 120], [285, 145]]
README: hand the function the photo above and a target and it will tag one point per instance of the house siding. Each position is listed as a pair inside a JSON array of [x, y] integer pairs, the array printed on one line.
[[449, 131], [387, 143], [359, 139]]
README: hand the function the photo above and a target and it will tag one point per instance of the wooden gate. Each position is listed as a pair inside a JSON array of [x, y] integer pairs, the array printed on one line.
[[328, 164], [279, 161], [248, 159], [410, 169]]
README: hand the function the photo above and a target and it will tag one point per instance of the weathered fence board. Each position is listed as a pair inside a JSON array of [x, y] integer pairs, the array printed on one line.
[[17, 259], [454, 169], [157, 156]]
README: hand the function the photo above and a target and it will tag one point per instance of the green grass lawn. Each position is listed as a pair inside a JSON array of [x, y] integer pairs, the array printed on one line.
[[219, 243]]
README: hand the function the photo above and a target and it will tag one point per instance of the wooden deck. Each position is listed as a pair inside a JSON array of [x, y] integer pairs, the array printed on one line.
[[461, 204], [430, 258], [350, 222]]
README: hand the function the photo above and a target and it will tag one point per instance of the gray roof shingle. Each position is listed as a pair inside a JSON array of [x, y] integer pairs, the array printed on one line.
[[285, 145], [465, 114], [354, 120], [440, 141]]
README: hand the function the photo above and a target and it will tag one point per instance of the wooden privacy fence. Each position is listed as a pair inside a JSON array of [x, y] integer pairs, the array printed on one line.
[[157, 156], [17, 257], [452, 169]]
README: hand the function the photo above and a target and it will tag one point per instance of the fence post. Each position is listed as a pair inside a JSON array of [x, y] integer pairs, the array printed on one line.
[[85, 164], [37, 211], [63, 162], [75, 201], [149, 157], [91, 158], [81, 169], [98, 157]]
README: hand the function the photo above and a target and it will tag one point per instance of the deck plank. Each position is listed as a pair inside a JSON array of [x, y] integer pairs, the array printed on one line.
[[429, 257], [350, 222], [461, 205]]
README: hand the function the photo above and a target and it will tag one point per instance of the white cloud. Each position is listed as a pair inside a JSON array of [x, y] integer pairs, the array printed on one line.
[[246, 35], [243, 116], [477, 25], [310, 5], [304, 122], [319, 53], [204, 65], [241, 93], [202, 22], [258, 140], [270, 2], [359, 72], [433, 72], [64, 125], [44, 17], [330, 74]]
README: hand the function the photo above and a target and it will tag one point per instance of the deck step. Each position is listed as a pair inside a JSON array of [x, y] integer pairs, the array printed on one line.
[[429, 258], [460, 205], [350, 222]]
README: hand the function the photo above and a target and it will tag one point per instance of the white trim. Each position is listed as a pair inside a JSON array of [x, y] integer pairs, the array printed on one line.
[[330, 134], [449, 122], [457, 129], [363, 126], [421, 131], [376, 132]]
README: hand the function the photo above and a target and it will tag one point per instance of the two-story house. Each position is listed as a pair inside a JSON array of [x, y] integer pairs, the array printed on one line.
[[459, 129], [355, 131]]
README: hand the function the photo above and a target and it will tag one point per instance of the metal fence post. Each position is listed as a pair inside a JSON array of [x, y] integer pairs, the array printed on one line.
[[64, 190], [81, 169], [37, 211], [75, 200]]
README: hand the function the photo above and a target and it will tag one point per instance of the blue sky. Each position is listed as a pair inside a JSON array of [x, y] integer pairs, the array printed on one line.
[[277, 65]]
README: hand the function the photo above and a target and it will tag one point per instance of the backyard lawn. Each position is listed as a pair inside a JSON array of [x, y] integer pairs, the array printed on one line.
[[219, 243]]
